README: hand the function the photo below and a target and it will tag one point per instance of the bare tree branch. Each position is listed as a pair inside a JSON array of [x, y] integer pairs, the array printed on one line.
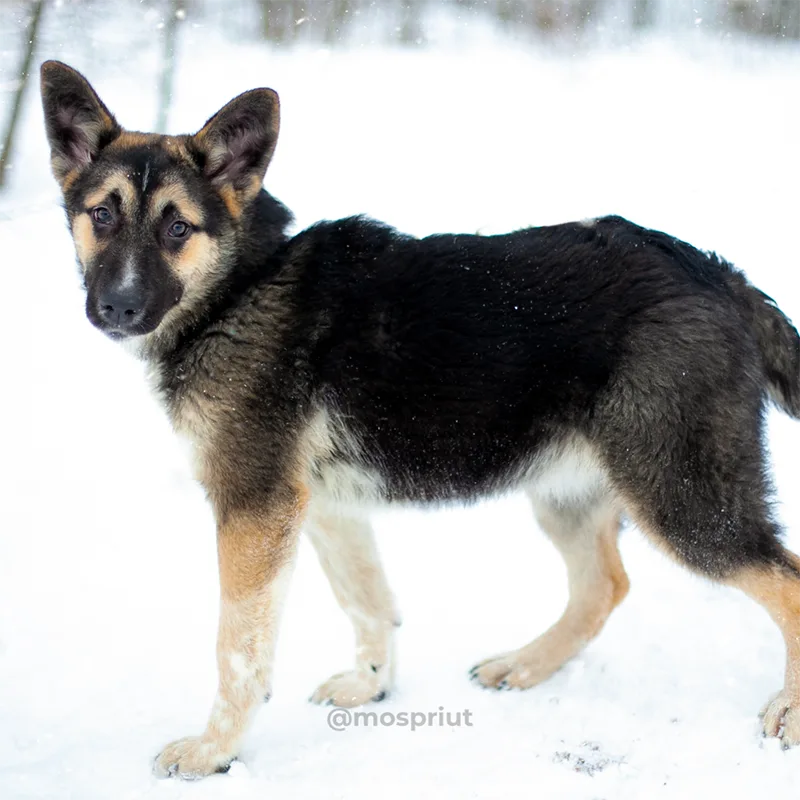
[[24, 73]]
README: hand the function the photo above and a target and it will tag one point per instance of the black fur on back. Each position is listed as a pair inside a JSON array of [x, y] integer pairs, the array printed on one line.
[[455, 361]]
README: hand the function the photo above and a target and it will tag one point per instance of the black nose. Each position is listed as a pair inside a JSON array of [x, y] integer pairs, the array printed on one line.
[[121, 309]]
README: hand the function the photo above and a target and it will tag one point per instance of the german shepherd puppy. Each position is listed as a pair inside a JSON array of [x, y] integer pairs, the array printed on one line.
[[600, 367]]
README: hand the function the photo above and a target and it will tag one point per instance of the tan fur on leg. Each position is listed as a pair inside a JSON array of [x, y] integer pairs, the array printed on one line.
[[778, 591], [256, 555], [587, 539], [346, 549]]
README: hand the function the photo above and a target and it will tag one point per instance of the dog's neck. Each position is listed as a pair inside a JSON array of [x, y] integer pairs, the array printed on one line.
[[264, 227]]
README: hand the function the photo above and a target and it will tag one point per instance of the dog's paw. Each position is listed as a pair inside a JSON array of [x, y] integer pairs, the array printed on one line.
[[511, 671], [191, 758], [353, 688], [781, 718]]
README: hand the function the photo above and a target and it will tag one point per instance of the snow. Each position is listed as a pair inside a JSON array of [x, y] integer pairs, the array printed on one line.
[[108, 586]]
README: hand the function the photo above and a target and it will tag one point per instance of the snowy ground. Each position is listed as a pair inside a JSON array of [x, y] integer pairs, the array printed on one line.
[[108, 587]]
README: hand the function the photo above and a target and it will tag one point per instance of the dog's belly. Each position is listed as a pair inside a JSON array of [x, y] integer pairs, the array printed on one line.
[[568, 473], [347, 485]]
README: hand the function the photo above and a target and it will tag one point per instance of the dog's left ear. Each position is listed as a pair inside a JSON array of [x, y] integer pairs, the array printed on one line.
[[236, 145], [78, 124]]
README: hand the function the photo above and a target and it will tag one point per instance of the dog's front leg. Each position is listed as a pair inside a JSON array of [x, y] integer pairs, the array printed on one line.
[[256, 555]]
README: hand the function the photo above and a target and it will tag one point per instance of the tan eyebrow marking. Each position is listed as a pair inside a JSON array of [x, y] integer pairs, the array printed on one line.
[[120, 183], [86, 245], [176, 194]]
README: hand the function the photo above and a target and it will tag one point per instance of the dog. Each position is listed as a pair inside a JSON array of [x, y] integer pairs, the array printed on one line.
[[607, 370]]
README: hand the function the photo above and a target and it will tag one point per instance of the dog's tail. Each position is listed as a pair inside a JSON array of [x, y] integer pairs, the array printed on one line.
[[777, 340]]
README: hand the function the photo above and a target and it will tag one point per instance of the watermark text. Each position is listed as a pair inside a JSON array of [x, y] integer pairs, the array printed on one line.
[[340, 719]]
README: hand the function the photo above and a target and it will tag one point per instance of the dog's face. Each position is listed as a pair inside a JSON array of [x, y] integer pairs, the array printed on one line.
[[152, 216]]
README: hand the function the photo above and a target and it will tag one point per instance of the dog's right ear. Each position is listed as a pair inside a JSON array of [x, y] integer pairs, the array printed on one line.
[[78, 124]]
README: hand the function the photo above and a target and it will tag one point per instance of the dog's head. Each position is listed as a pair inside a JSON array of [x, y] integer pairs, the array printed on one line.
[[154, 218]]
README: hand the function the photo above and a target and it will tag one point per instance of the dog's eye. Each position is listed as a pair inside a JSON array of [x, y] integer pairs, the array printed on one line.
[[178, 229], [102, 216]]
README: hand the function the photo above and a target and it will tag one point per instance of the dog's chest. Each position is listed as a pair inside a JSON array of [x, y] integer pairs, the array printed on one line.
[[194, 416]]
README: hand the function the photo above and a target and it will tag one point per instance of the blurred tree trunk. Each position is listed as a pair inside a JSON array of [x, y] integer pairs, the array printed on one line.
[[281, 19], [24, 72], [778, 18], [643, 13], [337, 20], [586, 11], [410, 31], [177, 12], [790, 20]]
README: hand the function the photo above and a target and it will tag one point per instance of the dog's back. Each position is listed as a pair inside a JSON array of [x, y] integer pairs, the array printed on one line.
[[449, 367]]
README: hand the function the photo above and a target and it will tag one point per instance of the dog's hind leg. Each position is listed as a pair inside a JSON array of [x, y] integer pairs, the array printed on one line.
[[348, 555], [777, 589], [742, 551], [690, 464], [586, 537]]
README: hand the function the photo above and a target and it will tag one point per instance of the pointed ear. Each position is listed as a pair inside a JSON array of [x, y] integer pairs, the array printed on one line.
[[236, 145], [78, 124]]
